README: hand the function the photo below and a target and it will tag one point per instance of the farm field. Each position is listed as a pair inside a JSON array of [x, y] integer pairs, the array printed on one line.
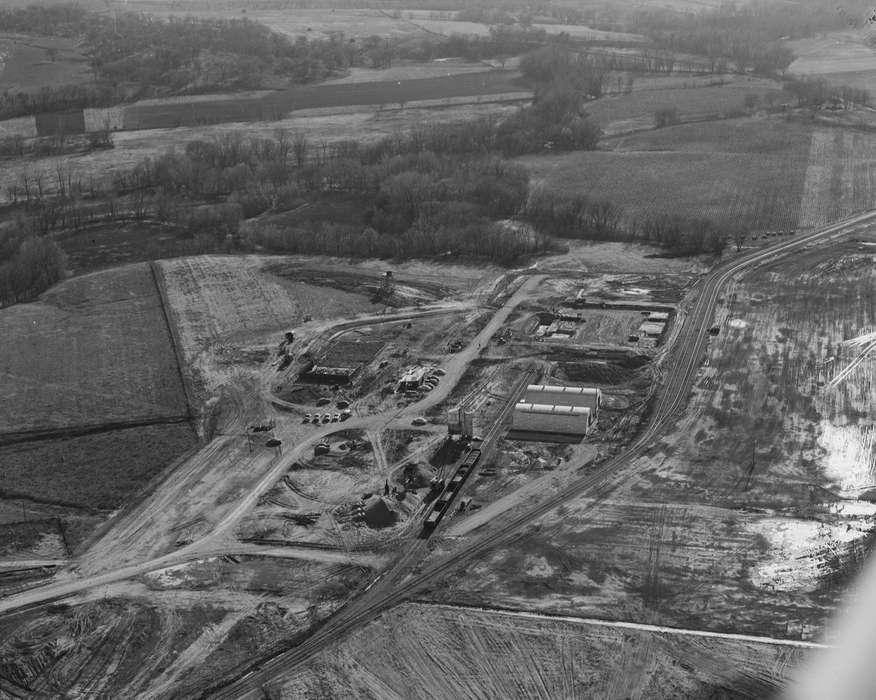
[[98, 471], [713, 169], [25, 64], [755, 513], [843, 58], [113, 244], [840, 175], [402, 70], [594, 257], [94, 350], [173, 114], [620, 114], [435, 651], [219, 298]]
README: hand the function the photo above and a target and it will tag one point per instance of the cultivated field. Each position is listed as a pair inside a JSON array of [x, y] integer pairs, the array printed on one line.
[[420, 651], [843, 58], [840, 176], [750, 171], [407, 71], [98, 471], [95, 350], [173, 113], [218, 298], [755, 513], [625, 113]]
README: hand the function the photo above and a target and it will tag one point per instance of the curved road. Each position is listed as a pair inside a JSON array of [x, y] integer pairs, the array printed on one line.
[[385, 593]]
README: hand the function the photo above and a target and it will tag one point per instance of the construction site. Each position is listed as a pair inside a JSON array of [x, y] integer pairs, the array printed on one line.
[[451, 449]]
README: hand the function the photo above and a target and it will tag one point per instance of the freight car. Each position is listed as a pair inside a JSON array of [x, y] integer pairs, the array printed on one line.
[[442, 505]]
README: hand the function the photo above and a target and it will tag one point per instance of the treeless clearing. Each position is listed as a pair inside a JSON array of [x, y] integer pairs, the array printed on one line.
[[94, 350], [407, 71], [98, 471], [840, 176], [716, 169], [596, 256], [835, 52], [217, 299], [621, 113], [419, 651]]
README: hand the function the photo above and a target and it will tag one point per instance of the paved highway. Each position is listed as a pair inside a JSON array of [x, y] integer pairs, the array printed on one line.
[[685, 360]]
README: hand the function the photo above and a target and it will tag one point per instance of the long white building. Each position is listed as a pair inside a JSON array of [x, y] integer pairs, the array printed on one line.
[[547, 408], [547, 418], [581, 396]]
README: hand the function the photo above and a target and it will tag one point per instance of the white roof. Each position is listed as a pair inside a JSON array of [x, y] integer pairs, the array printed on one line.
[[525, 407], [653, 328], [554, 389], [658, 316]]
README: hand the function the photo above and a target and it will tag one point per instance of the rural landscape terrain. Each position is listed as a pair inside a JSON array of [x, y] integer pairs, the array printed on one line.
[[423, 349]]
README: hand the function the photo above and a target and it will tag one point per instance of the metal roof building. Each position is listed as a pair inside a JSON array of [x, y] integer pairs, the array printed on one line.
[[551, 418], [554, 395]]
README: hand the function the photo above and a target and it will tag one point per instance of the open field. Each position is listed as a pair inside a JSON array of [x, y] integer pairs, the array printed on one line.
[[25, 64], [714, 169], [95, 350], [755, 513], [407, 71], [840, 175], [119, 243], [595, 257], [97, 472], [624, 113], [171, 114], [420, 651], [843, 58]]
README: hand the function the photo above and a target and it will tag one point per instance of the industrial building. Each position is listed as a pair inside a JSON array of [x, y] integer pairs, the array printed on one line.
[[578, 396], [547, 408], [546, 418]]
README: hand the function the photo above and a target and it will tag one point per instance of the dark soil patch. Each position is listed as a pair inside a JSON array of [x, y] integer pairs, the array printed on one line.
[[112, 244]]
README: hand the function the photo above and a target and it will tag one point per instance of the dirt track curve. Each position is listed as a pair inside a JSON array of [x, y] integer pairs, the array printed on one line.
[[598, 485]]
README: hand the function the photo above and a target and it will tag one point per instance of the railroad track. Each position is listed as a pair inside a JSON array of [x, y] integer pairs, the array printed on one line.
[[690, 346]]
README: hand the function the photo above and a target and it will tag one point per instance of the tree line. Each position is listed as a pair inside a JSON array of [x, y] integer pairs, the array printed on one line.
[[814, 92], [28, 267], [567, 215]]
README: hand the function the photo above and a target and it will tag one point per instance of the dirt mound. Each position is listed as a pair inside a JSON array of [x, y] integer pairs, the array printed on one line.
[[378, 514]]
